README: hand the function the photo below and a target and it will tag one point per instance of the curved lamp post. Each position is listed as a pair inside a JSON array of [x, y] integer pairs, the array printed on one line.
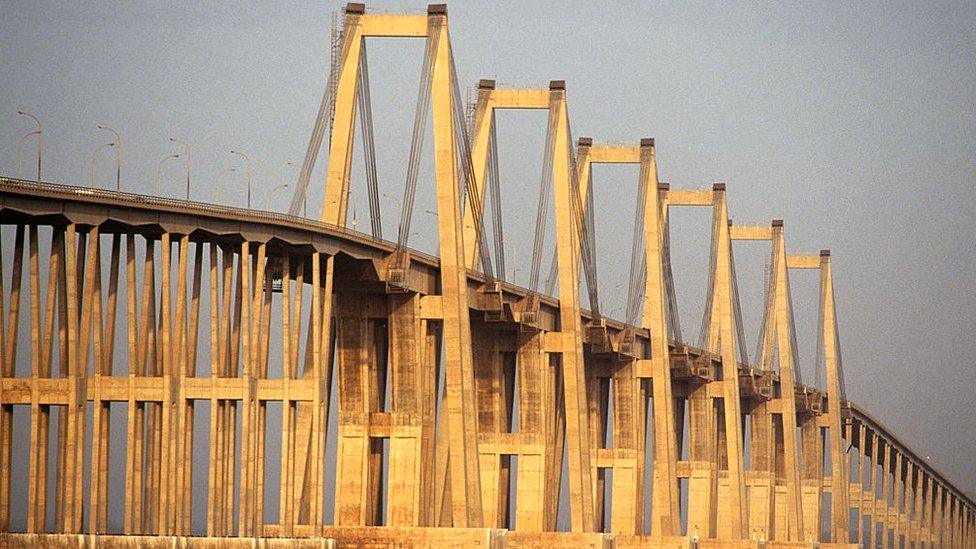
[[216, 190], [118, 156], [95, 158], [267, 201], [39, 132], [247, 174], [20, 152], [186, 150], [159, 166], [304, 199]]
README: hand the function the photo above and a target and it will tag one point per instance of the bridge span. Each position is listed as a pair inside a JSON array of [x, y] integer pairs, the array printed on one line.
[[405, 399]]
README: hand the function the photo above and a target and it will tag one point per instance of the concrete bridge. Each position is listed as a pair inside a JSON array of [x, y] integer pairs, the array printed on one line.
[[466, 406]]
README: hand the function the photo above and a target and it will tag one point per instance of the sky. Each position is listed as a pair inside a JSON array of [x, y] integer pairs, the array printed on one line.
[[855, 122]]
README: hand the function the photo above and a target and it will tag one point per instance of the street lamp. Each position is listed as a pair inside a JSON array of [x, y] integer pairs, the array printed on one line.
[[247, 174], [95, 157], [304, 198], [267, 202], [216, 190], [40, 141], [159, 166], [20, 152], [118, 156], [186, 148]]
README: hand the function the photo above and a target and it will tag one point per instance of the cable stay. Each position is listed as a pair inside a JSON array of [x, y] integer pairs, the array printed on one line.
[[820, 363], [542, 211], [671, 303], [369, 147], [341, 42], [638, 252], [704, 334], [584, 227], [416, 143], [740, 333], [553, 276], [764, 345], [495, 192], [794, 350], [467, 178]]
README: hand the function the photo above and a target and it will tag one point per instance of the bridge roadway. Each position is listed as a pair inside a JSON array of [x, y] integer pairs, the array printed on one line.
[[913, 501]]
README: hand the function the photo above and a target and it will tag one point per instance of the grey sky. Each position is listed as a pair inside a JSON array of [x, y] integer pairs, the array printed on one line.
[[855, 122]]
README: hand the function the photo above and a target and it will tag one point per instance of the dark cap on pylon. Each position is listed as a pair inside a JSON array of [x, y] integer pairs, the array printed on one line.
[[664, 186], [436, 9], [486, 84], [824, 253], [585, 141], [557, 84], [647, 142], [718, 186], [777, 223], [355, 8]]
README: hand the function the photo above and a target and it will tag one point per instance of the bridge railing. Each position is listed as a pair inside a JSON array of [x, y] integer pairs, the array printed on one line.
[[93, 194]]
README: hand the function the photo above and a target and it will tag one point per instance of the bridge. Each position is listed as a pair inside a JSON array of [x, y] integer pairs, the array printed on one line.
[[467, 409]]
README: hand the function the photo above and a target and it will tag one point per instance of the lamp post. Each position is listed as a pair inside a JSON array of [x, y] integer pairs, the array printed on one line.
[[95, 157], [247, 174], [267, 201], [304, 198], [118, 156], [20, 153], [159, 166], [186, 149], [40, 141], [216, 190]]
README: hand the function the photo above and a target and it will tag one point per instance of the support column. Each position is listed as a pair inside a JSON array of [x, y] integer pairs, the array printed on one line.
[[574, 381], [784, 343], [665, 517], [840, 504], [460, 391], [737, 502]]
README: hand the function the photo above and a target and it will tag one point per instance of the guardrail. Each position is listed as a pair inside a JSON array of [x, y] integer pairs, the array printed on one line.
[[103, 196]]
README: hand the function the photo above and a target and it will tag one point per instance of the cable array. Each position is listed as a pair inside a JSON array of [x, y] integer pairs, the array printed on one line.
[[369, 146]]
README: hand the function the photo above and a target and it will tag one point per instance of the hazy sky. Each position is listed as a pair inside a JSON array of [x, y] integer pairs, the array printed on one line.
[[853, 121]]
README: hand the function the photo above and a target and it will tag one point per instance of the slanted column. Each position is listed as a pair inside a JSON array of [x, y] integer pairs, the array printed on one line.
[[665, 517], [461, 403], [40, 414], [939, 515], [574, 381], [722, 308], [98, 485], [336, 201], [784, 343], [895, 509], [911, 502], [862, 475], [78, 322], [8, 357], [840, 504], [886, 485]]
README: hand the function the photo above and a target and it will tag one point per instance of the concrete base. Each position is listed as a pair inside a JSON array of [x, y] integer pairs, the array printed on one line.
[[367, 536]]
